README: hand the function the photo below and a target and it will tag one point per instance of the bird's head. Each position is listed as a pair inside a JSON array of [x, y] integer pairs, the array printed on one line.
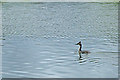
[[79, 43]]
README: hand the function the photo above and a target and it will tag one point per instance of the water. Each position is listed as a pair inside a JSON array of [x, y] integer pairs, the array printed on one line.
[[39, 40]]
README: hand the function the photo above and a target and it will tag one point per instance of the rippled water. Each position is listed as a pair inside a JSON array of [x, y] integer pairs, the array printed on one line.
[[39, 40]]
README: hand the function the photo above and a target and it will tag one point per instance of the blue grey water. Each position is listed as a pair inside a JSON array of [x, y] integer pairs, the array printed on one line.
[[39, 40]]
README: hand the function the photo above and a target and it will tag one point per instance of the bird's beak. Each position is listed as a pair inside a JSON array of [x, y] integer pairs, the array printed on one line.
[[76, 44]]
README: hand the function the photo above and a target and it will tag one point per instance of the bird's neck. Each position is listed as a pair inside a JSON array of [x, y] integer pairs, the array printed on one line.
[[80, 48]]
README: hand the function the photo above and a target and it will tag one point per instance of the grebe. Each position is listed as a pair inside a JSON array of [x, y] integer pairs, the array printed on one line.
[[80, 51]]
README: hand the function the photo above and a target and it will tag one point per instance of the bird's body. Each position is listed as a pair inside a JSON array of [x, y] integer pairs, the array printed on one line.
[[80, 51], [85, 52]]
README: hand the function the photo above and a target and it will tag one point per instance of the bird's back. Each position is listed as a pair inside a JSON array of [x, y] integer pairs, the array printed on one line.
[[85, 52]]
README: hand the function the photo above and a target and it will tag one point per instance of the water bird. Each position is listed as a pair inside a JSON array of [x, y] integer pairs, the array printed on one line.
[[80, 51]]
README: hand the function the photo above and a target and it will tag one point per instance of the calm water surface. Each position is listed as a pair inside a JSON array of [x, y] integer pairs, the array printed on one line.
[[39, 40]]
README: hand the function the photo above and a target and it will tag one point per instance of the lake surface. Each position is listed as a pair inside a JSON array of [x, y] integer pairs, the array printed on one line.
[[39, 40]]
